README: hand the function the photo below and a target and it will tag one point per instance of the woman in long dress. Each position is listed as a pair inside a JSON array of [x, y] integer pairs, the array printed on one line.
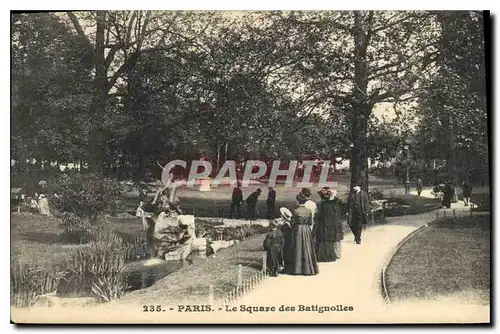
[[328, 229], [310, 205], [303, 257]]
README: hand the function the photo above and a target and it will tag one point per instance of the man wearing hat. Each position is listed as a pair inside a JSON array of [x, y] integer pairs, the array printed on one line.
[[270, 202], [251, 202], [357, 210]]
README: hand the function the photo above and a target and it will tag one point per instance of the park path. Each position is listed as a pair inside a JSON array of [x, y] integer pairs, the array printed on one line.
[[355, 280]]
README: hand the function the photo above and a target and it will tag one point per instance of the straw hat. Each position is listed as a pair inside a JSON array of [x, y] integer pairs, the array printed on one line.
[[285, 213]]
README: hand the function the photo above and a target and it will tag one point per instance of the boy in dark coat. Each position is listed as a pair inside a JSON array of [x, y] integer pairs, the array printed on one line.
[[273, 245]]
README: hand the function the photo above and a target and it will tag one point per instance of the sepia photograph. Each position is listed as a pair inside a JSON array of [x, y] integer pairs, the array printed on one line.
[[250, 167]]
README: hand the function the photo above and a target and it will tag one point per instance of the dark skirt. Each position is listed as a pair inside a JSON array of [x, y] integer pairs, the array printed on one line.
[[274, 258], [303, 256], [287, 248], [328, 251]]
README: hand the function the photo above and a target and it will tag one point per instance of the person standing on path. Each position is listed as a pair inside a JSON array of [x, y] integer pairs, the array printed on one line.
[[310, 205], [448, 195], [466, 192], [357, 210], [236, 200], [273, 245], [419, 186], [270, 202], [251, 202], [286, 229], [328, 229], [303, 256]]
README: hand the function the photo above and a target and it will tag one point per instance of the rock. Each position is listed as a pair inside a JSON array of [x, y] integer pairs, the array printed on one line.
[[188, 221], [242, 222], [221, 244], [180, 253], [199, 245]]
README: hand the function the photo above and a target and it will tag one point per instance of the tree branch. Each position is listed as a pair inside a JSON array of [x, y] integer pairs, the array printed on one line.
[[79, 30], [389, 25]]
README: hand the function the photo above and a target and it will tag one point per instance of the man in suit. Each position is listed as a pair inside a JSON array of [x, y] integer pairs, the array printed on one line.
[[236, 200], [358, 208], [251, 202], [270, 202]]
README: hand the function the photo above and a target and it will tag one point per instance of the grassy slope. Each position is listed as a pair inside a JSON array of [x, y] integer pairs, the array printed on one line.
[[448, 258]]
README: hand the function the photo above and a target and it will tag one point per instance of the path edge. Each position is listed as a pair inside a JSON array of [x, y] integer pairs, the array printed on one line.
[[388, 258]]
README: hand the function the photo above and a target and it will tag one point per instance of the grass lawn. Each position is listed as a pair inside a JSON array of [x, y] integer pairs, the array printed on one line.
[[449, 258], [409, 204], [35, 238]]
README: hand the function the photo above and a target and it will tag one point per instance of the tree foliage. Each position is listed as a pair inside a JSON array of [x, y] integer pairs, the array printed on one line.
[[120, 91]]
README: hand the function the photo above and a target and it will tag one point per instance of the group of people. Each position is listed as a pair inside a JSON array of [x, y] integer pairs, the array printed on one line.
[[251, 203], [448, 192], [311, 233], [38, 204]]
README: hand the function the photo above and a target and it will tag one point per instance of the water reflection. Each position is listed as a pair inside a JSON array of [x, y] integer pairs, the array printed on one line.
[[144, 273]]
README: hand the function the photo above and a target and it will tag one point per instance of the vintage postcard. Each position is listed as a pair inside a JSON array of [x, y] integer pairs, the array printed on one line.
[[253, 167]]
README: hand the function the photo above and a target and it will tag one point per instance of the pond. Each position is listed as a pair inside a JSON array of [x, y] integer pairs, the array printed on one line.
[[139, 274]]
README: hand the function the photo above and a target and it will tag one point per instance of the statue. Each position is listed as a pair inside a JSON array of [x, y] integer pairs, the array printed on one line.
[[169, 233]]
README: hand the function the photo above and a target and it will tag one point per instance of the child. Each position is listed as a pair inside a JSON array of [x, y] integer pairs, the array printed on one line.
[[273, 245]]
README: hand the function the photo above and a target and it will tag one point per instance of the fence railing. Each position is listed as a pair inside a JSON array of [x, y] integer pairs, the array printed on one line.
[[244, 287]]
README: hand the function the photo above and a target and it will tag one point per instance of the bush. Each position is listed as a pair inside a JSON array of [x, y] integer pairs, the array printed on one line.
[[28, 281], [375, 195], [98, 267], [94, 269], [79, 201]]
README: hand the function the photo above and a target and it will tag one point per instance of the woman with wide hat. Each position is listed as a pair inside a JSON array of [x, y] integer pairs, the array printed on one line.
[[328, 231], [303, 257]]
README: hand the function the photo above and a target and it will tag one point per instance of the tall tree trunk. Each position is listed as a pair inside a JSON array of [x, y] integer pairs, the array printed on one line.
[[96, 147], [362, 108]]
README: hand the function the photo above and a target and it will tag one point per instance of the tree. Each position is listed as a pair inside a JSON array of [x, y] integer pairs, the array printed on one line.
[[362, 58], [453, 106], [116, 40], [49, 107]]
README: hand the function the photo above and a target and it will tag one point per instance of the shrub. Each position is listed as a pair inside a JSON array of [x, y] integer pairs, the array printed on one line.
[[375, 195], [28, 281], [205, 230], [100, 264], [95, 269], [79, 201]]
